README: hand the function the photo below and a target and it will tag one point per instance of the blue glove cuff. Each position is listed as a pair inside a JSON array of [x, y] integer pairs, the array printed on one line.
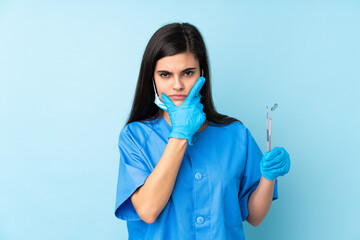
[[268, 175], [191, 140]]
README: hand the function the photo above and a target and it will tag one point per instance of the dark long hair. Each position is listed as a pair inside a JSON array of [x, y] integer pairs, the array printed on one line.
[[169, 40]]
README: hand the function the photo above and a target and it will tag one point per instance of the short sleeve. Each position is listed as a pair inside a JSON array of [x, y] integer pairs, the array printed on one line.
[[132, 174], [251, 175]]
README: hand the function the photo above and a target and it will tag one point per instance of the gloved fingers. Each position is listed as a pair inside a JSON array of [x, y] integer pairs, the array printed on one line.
[[195, 105], [282, 167], [286, 169], [276, 173], [287, 161], [272, 174], [272, 161], [167, 101], [203, 117], [275, 151], [195, 89], [274, 166], [197, 114], [282, 171], [195, 100], [199, 105]]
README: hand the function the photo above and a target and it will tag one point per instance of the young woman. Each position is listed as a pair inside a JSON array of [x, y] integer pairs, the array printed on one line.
[[186, 171]]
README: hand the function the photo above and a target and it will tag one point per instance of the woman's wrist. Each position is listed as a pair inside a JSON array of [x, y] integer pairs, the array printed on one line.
[[178, 141]]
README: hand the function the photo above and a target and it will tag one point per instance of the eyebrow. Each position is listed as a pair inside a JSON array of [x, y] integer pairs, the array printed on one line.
[[187, 69]]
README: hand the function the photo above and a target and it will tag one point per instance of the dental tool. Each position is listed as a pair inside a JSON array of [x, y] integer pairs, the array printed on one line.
[[268, 128]]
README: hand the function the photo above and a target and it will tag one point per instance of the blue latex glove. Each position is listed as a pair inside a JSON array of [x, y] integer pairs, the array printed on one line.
[[275, 163], [187, 118]]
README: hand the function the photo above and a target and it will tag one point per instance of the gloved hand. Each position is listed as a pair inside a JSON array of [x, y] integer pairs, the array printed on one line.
[[187, 118], [275, 163]]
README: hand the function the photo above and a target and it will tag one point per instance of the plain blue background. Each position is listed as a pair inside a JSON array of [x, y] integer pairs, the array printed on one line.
[[68, 73]]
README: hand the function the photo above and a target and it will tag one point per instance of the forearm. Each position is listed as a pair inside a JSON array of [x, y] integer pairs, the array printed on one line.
[[151, 198], [260, 201]]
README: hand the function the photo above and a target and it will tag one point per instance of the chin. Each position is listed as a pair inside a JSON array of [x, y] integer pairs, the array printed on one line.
[[178, 103]]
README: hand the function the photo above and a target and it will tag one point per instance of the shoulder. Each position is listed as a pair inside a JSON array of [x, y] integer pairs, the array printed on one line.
[[234, 133], [231, 128], [137, 133]]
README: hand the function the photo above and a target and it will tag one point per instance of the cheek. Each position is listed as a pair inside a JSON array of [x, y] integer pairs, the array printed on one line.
[[163, 89], [160, 88], [191, 84]]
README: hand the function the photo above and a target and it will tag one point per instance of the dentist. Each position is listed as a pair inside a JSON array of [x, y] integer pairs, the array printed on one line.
[[185, 170]]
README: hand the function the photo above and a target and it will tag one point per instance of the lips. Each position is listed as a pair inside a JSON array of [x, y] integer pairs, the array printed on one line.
[[178, 97]]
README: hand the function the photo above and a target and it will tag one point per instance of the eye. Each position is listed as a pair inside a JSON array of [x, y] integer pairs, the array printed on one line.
[[189, 73], [164, 75]]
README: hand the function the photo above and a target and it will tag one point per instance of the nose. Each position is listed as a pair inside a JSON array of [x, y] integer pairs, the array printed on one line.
[[178, 85]]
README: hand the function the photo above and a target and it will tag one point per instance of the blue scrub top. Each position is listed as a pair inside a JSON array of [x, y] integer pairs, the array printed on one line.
[[216, 177]]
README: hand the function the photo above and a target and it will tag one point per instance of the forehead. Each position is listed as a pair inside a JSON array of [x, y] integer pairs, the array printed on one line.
[[177, 62]]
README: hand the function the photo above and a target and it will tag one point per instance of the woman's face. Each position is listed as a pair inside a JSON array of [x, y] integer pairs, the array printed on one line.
[[175, 76]]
